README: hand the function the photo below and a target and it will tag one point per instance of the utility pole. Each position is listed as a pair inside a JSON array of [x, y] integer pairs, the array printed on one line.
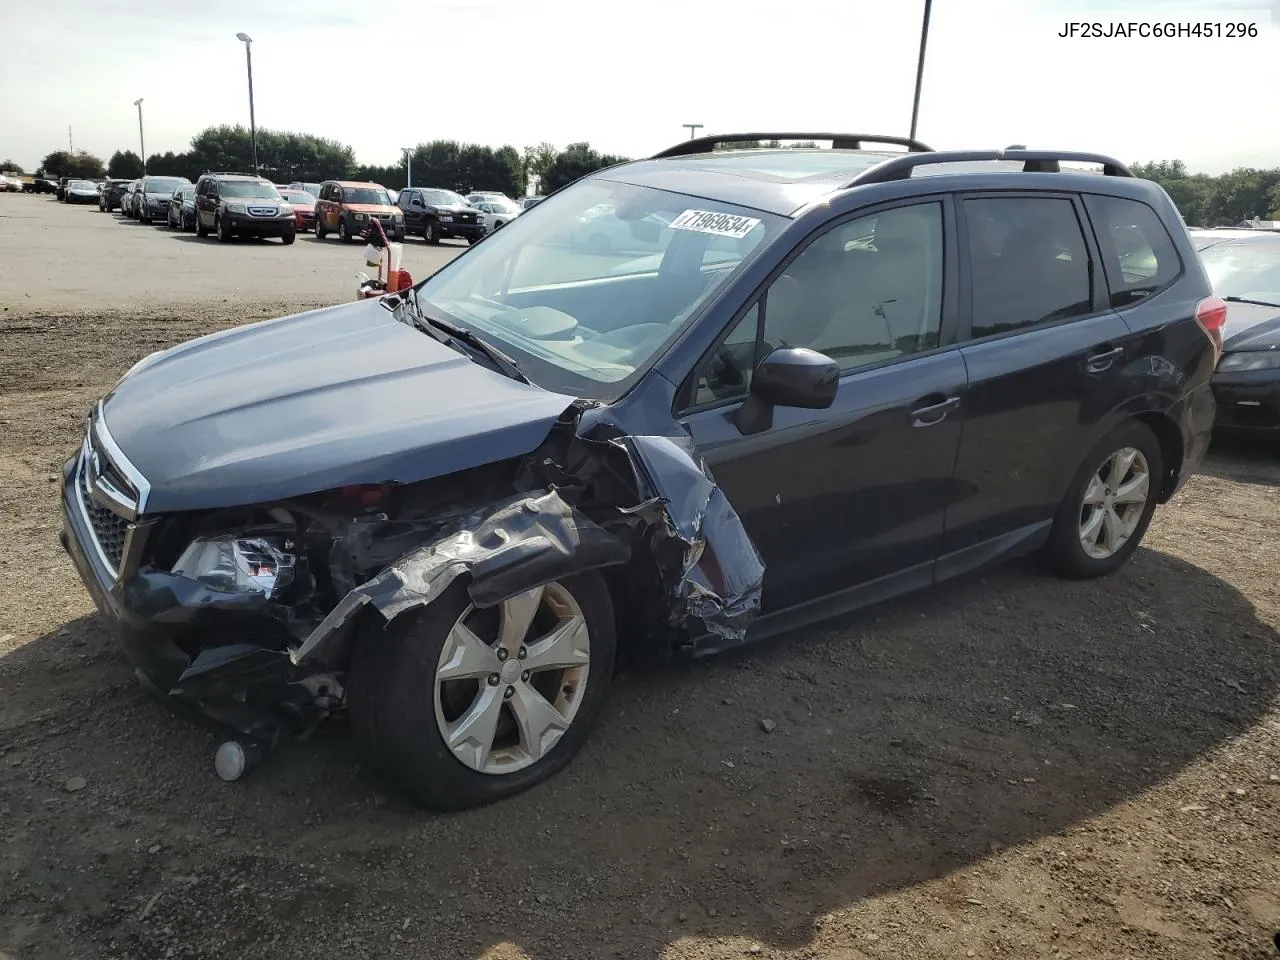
[[408, 167], [71, 147], [693, 128], [142, 144], [924, 38], [253, 128]]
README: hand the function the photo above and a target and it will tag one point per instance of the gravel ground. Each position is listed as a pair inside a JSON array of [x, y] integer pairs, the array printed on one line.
[[1008, 766]]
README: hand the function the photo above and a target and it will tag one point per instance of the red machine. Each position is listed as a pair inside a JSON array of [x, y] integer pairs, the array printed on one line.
[[390, 278]]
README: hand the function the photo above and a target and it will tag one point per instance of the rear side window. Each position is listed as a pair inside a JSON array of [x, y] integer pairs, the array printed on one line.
[[1136, 248], [1029, 261]]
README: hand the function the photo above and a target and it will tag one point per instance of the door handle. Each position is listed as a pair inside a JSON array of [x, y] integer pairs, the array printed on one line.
[[936, 412], [1103, 358]]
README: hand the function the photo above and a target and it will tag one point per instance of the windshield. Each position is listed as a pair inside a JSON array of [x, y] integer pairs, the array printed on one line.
[[584, 303], [1248, 269], [248, 188], [82, 185], [365, 195], [163, 184], [297, 196], [444, 198]]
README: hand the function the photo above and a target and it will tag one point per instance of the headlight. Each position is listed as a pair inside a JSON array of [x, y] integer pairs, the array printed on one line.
[[286, 208], [235, 208], [397, 216], [359, 217], [230, 564], [1250, 360]]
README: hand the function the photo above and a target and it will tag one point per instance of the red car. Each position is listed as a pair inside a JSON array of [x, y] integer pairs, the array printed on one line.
[[304, 207]]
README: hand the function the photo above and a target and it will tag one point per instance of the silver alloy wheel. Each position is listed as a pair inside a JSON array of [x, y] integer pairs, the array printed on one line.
[[1113, 502], [510, 679]]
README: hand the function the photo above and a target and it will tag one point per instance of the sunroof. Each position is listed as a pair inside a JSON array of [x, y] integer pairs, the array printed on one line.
[[792, 164]]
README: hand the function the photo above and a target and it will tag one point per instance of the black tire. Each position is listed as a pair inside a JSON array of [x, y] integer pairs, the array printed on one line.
[[431, 232], [344, 232], [399, 236], [321, 233], [288, 236], [474, 239], [395, 724], [224, 231], [201, 229], [1064, 551]]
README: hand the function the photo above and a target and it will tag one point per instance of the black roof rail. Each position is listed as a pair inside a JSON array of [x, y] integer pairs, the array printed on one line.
[[1033, 161], [839, 141]]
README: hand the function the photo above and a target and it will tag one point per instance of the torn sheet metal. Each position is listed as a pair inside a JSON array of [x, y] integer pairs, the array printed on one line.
[[719, 574], [506, 549]]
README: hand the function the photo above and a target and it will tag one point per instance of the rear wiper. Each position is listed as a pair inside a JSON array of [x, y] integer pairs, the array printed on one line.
[[1258, 303], [452, 331]]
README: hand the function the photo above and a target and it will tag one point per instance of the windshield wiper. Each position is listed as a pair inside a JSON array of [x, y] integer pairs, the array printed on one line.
[[437, 325], [1258, 303]]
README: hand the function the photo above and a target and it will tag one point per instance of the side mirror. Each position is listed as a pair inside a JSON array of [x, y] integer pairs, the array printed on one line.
[[788, 377], [645, 230]]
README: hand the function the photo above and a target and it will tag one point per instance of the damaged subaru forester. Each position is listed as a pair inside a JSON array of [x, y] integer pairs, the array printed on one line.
[[684, 403]]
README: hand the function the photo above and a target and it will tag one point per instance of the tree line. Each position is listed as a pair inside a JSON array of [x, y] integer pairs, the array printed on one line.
[[1246, 193], [284, 157]]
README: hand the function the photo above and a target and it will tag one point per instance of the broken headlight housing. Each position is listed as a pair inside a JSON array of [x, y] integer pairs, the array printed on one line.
[[232, 564]]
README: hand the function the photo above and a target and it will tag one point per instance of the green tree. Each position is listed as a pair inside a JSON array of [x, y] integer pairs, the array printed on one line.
[[8, 166], [1273, 200], [125, 165], [537, 161], [282, 156], [574, 162], [60, 163]]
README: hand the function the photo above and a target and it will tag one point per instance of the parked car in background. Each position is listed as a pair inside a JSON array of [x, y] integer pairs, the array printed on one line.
[[129, 197], [10, 184], [80, 191], [112, 191], [496, 212], [239, 204], [1244, 269], [478, 196], [154, 195], [181, 214], [311, 188], [1205, 237], [437, 214], [346, 207], [304, 208], [453, 511], [528, 202]]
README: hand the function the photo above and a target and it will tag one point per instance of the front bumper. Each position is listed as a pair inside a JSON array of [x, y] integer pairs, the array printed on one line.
[[178, 633], [457, 229], [260, 226], [304, 219], [1248, 401]]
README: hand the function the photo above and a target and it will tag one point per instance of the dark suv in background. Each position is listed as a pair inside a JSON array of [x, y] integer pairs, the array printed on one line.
[[231, 204], [436, 214], [112, 191], [152, 200], [836, 376]]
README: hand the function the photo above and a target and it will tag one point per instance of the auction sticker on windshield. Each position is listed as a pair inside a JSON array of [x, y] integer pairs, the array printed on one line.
[[721, 224]]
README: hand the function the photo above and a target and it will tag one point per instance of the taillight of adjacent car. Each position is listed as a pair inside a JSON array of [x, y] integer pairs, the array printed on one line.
[[1211, 314]]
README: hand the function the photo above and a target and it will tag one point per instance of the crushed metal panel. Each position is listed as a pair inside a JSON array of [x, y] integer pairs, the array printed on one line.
[[721, 575], [506, 549]]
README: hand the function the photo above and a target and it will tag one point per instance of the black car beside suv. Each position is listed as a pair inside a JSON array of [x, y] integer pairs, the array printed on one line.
[[439, 214], [839, 375], [240, 204]]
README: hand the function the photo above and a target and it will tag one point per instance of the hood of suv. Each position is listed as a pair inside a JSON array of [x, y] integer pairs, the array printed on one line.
[[254, 201], [343, 395], [378, 208]]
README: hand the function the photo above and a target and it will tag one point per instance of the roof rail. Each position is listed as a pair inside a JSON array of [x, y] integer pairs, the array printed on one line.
[[839, 141], [1033, 161]]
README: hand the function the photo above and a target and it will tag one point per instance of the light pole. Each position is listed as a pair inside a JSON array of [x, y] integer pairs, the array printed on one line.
[[924, 38], [408, 166], [692, 127], [253, 127], [142, 144]]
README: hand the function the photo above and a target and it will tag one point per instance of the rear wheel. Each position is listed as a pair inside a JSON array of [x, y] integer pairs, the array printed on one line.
[[1108, 505], [320, 230], [462, 706], [431, 232], [224, 230], [344, 233]]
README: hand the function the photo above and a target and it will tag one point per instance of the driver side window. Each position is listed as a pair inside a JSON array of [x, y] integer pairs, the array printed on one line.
[[864, 292]]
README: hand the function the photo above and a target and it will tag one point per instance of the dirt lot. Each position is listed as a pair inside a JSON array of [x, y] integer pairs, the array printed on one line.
[[1010, 766]]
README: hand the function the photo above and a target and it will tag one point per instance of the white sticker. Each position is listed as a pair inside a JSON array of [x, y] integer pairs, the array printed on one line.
[[720, 224]]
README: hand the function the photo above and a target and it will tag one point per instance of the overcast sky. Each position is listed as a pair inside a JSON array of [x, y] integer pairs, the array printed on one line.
[[625, 74]]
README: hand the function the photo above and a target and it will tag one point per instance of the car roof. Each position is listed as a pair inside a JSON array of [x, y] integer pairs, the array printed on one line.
[[786, 180], [355, 183]]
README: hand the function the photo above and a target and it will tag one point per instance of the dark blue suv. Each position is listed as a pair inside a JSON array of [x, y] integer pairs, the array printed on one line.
[[682, 404]]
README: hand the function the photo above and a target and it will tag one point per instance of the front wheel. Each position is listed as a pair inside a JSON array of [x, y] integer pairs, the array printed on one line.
[[288, 237], [462, 706], [1108, 505], [344, 233]]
